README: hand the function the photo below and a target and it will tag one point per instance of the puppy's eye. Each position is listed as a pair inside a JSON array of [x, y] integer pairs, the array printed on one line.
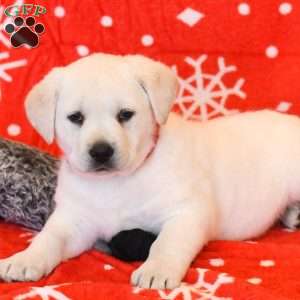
[[76, 118], [125, 115]]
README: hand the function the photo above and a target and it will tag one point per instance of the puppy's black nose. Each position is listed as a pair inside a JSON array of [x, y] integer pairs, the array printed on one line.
[[101, 152]]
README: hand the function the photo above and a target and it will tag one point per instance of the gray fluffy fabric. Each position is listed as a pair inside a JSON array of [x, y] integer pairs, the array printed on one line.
[[27, 184]]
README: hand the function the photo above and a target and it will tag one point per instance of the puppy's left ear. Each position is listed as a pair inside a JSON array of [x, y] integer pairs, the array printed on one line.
[[158, 82]]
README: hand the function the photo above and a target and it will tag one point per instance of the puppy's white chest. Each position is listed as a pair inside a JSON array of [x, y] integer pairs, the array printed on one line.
[[111, 205]]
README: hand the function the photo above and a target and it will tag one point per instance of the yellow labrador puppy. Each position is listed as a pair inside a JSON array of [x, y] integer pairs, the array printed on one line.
[[228, 178]]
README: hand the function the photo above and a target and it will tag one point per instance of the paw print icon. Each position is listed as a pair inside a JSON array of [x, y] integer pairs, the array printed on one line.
[[24, 32]]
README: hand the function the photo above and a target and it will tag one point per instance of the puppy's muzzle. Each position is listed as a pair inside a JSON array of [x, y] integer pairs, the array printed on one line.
[[101, 154]]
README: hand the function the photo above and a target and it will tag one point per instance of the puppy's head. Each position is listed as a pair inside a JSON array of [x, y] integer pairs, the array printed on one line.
[[103, 110]]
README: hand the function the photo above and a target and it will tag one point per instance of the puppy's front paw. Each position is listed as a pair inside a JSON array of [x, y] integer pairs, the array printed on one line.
[[22, 267], [155, 275]]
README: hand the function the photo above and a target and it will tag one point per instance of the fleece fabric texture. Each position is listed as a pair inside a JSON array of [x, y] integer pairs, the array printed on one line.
[[229, 56]]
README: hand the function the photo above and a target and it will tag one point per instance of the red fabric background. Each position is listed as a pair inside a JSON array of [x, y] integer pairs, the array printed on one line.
[[260, 38]]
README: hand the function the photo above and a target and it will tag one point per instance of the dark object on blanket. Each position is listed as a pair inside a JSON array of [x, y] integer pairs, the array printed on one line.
[[131, 245], [27, 184]]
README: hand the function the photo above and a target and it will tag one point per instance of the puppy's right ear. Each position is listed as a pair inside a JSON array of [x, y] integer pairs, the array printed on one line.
[[40, 104]]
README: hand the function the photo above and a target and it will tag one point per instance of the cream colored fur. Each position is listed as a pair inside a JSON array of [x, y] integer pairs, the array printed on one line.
[[229, 178]]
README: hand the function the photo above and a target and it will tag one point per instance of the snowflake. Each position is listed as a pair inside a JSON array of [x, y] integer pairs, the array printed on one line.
[[206, 92], [9, 65], [200, 289], [3, 21], [45, 292]]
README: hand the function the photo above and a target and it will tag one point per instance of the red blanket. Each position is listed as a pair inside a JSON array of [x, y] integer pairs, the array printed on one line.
[[230, 56], [265, 269]]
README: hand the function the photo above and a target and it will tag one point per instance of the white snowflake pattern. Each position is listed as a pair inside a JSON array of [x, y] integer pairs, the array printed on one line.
[[45, 292], [205, 92], [200, 290], [9, 65]]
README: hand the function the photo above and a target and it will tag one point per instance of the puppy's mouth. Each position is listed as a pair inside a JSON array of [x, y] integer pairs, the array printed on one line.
[[101, 169]]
